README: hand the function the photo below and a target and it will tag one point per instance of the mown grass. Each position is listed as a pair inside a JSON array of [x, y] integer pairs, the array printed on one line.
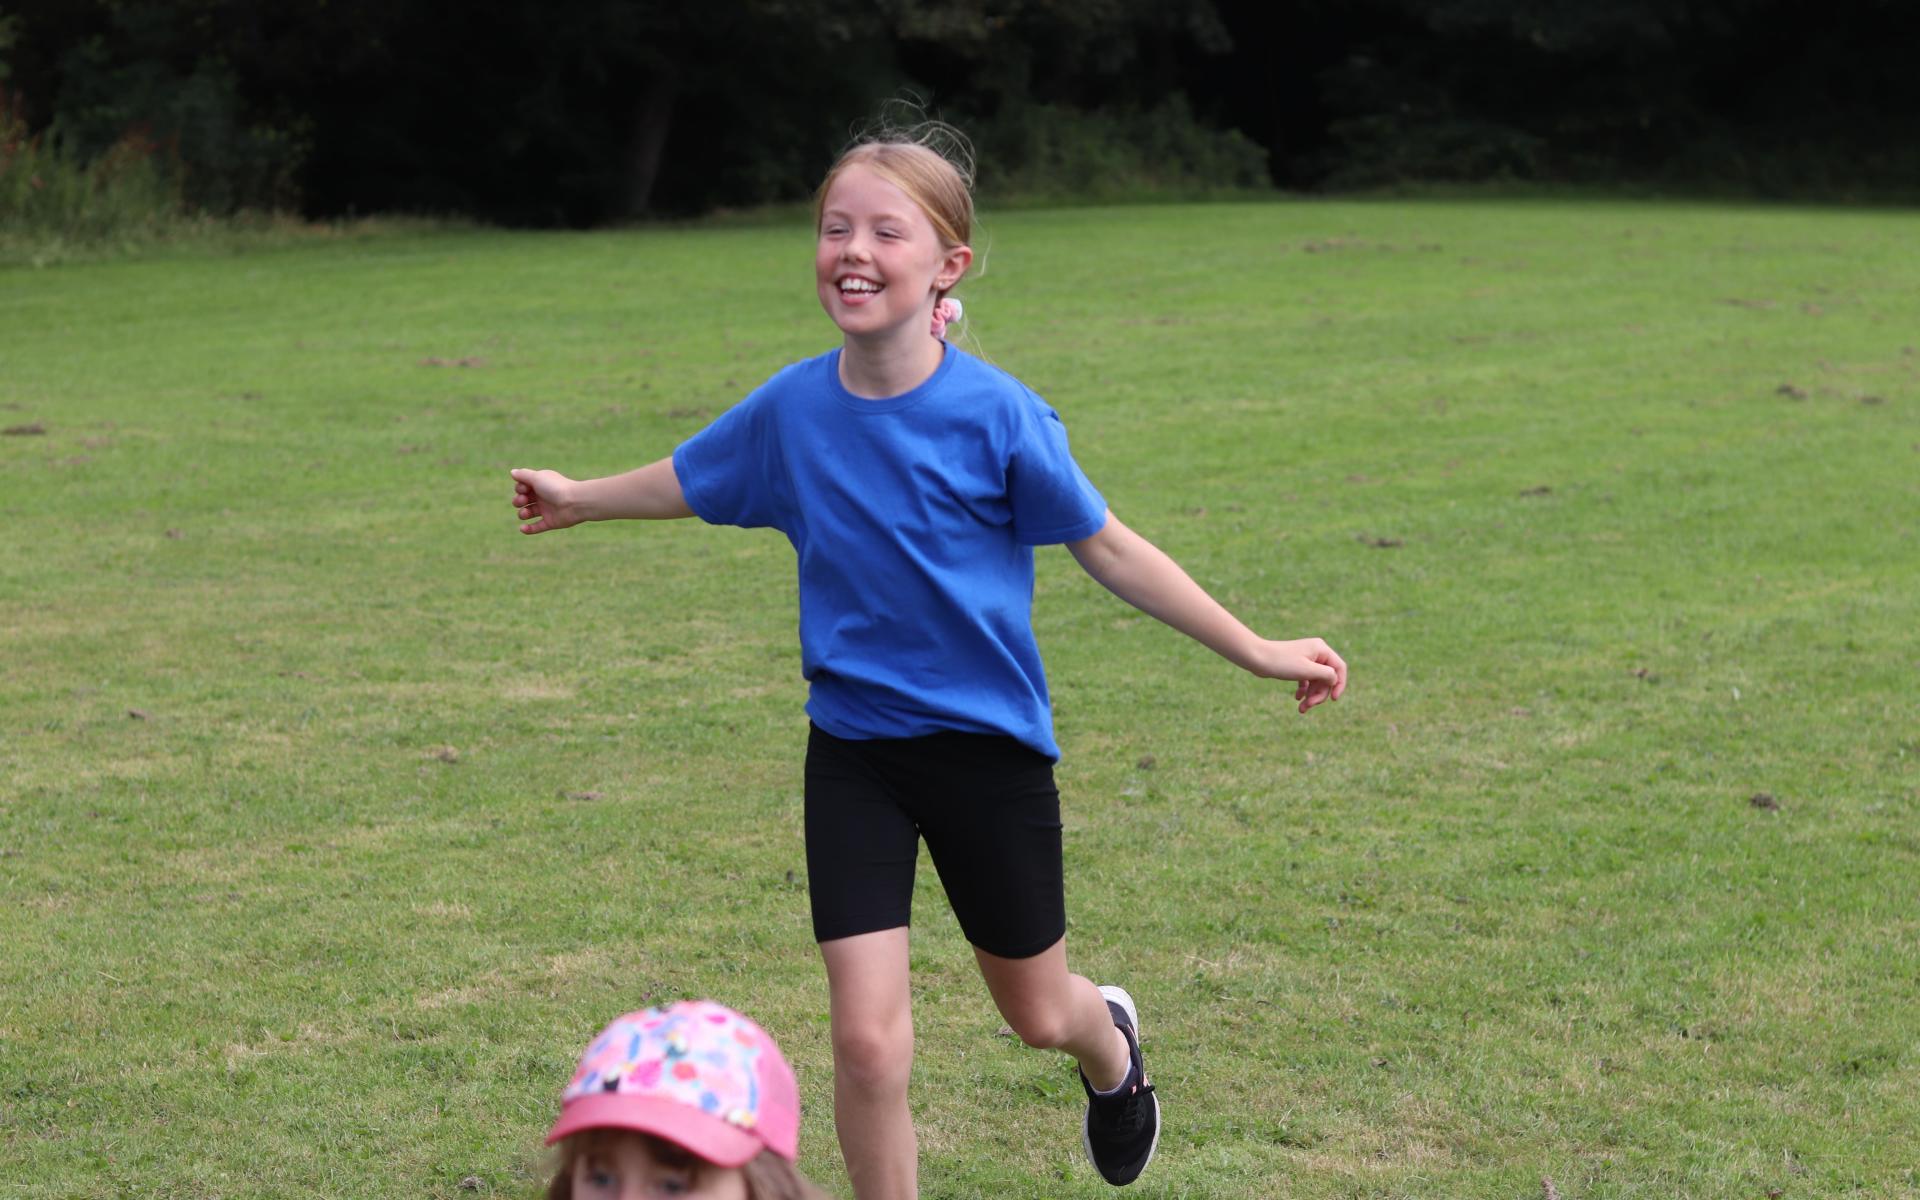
[[335, 815]]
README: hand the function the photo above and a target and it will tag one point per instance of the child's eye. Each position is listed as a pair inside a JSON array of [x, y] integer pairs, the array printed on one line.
[[676, 1186], [601, 1181]]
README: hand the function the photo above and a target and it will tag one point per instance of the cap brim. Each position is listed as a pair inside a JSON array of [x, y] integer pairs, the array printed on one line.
[[704, 1134]]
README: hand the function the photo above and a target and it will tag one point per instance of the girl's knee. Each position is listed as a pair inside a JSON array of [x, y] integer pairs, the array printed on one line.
[[1041, 1028], [873, 1056]]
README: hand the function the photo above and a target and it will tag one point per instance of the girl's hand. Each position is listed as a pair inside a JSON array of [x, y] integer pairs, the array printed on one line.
[[547, 499], [1311, 663]]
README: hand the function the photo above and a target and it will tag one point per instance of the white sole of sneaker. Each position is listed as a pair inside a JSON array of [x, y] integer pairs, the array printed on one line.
[[1118, 995]]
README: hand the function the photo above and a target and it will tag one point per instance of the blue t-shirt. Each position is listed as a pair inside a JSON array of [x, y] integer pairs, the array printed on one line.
[[914, 519]]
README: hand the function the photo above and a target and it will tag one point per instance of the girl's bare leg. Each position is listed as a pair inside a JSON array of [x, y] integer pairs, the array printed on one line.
[[1049, 1006], [872, 1059]]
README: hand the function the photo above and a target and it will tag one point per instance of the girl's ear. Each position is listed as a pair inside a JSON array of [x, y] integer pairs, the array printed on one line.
[[953, 267]]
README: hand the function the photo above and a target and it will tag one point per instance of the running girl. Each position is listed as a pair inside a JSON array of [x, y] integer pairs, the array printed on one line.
[[914, 480]]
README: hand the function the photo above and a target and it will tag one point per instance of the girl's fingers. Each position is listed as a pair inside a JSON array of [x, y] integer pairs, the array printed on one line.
[[1335, 682], [1316, 691], [1319, 682]]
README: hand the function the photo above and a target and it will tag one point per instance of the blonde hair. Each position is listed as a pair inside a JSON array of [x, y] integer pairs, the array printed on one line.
[[769, 1177], [932, 162]]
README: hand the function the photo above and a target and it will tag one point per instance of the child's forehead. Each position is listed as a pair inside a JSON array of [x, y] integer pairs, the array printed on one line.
[[859, 189]]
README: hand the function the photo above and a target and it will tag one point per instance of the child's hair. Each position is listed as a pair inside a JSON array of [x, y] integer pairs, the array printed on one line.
[[768, 1176], [931, 161]]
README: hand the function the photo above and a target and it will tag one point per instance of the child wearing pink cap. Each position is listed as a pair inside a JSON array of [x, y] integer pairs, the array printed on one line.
[[689, 1099]]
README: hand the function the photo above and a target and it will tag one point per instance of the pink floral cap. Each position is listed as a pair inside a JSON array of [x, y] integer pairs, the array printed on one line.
[[695, 1073]]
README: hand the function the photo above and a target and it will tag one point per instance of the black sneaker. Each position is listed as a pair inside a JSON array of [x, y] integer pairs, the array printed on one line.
[[1123, 1128]]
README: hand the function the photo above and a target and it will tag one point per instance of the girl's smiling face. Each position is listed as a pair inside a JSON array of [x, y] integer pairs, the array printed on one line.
[[879, 265], [629, 1168]]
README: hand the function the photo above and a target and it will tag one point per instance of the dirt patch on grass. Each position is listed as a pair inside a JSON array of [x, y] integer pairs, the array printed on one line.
[[578, 964], [537, 689], [306, 1038], [482, 988]]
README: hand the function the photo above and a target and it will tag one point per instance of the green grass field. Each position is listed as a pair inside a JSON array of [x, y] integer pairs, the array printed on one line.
[[335, 815]]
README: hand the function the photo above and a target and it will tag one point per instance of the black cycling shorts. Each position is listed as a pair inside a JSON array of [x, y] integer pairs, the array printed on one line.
[[989, 810]]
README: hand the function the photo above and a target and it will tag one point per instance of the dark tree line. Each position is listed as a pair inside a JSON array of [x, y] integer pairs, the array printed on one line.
[[581, 111]]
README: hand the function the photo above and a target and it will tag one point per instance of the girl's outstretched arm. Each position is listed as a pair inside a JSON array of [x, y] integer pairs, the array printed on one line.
[[1138, 572], [549, 500]]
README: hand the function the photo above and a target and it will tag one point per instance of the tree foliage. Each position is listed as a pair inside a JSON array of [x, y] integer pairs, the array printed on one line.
[[1759, 94], [582, 111]]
